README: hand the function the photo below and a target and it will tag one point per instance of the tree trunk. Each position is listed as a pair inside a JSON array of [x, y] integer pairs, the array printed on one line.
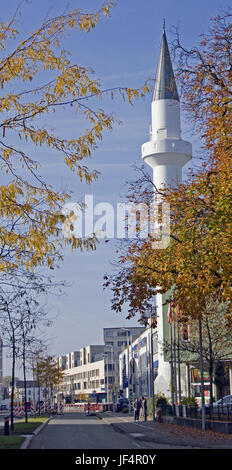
[[25, 382], [211, 381], [12, 386], [39, 398]]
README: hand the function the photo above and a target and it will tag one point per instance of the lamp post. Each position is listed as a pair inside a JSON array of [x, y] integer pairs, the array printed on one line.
[[128, 361], [151, 366], [106, 375], [129, 341]]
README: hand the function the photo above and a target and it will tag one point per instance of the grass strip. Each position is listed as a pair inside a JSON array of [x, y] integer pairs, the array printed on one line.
[[28, 428], [15, 438], [11, 442]]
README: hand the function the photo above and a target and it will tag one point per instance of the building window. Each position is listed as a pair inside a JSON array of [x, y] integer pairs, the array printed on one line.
[[134, 333]]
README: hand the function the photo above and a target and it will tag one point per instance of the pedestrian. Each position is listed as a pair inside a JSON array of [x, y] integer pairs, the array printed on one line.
[[144, 408], [139, 406], [135, 407]]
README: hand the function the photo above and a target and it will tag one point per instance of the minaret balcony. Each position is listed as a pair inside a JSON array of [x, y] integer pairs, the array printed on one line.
[[166, 152]]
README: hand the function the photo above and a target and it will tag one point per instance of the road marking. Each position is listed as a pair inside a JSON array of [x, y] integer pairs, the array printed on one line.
[[137, 445], [136, 434], [124, 419]]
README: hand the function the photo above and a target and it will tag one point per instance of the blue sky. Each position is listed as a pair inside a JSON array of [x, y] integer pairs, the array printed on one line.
[[123, 51]]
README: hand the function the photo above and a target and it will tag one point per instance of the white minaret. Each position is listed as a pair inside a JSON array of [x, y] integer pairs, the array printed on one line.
[[166, 153]]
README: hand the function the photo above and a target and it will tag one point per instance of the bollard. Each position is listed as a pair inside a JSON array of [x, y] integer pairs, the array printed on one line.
[[159, 414], [6, 426]]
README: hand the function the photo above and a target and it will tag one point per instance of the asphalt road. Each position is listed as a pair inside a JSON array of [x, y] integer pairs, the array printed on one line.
[[78, 431]]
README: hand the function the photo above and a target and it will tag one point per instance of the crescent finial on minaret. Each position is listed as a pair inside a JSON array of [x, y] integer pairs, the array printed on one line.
[[164, 25]]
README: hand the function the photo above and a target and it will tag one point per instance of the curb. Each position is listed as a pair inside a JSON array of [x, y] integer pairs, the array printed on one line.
[[28, 438]]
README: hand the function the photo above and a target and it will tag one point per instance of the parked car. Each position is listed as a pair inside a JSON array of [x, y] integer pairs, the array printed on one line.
[[219, 405], [121, 404], [227, 400], [4, 408]]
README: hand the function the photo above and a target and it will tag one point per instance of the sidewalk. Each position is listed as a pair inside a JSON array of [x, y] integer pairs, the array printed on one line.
[[167, 433]]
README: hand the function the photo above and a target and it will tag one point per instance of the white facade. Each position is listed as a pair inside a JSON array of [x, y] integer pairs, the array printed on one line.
[[116, 339], [96, 373], [135, 367], [34, 392], [82, 382], [167, 154]]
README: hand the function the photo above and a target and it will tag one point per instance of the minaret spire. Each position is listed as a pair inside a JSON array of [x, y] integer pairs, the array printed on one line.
[[165, 83]]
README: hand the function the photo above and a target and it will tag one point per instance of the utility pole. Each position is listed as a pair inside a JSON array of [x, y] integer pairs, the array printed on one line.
[[174, 354], [128, 362], [151, 369], [106, 376], [112, 371], [107, 379], [171, 366], [202, 376], [179, 372], [129, 369]]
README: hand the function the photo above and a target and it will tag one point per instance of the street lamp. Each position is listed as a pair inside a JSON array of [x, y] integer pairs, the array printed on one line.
[[105, 356], [153, 314], [152, 370], [129, 341]]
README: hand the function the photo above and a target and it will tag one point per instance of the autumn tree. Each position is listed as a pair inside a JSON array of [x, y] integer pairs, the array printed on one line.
[[37, 79], [197, 262], [48, 374]]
